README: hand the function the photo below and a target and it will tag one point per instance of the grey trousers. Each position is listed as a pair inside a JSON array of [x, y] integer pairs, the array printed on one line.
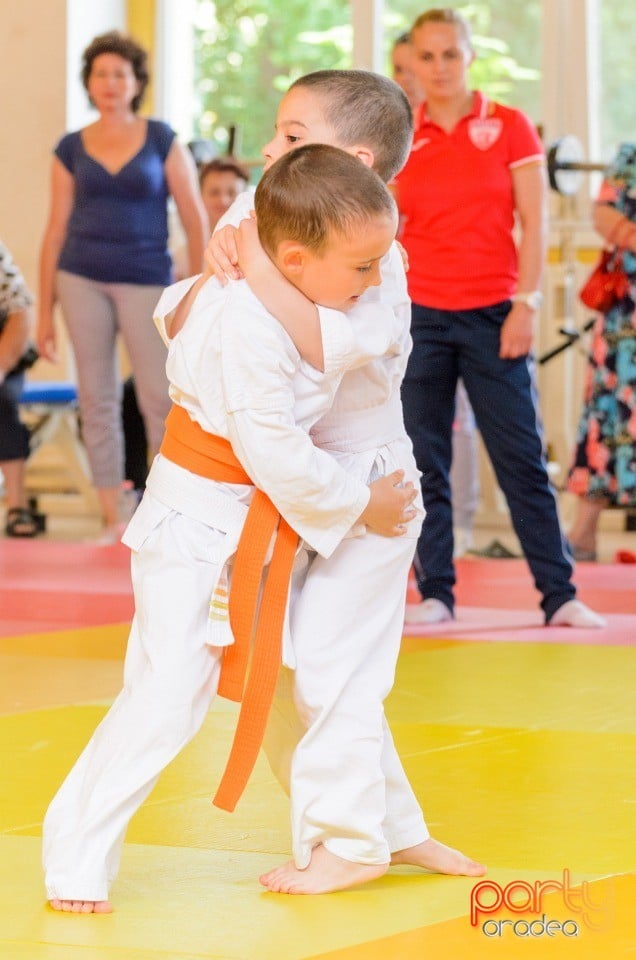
[[94, 314]]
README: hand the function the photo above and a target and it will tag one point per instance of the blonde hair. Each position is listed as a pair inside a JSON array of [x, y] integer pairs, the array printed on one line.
[[445, 15], [315, 191]]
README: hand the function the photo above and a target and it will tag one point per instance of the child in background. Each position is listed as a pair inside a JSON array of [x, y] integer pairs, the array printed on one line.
[[353, 810], [16, 327], [243, 403], [220, 182]]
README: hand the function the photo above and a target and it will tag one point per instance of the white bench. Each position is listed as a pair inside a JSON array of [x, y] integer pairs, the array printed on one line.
[[49, 410]]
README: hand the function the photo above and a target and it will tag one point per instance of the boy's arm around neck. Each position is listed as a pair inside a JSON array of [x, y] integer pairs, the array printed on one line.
[[318, 499], [174, 306], [296, 314], [259, 366], [293, 310], [330, 340], [378, 326]]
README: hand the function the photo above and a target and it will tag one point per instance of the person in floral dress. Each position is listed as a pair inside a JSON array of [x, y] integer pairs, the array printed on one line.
[[603, 471]]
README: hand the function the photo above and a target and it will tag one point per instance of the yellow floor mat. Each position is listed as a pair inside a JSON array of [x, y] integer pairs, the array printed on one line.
[[523, 755]]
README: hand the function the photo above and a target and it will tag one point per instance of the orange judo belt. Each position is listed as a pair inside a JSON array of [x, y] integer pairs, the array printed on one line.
[[191, 447]]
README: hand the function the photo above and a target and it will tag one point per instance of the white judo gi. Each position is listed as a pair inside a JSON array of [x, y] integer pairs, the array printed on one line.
[[237, 373], [328, 741]]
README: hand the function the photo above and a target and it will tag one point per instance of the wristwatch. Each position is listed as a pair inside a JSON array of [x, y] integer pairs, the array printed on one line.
[[533, 299]]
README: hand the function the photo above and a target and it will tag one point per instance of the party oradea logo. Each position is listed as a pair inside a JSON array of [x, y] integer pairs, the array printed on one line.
[[550, 908]]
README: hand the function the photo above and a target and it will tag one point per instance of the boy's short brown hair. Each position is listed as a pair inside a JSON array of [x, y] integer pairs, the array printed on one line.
[[224, 165], [367, 109], [315, 191]]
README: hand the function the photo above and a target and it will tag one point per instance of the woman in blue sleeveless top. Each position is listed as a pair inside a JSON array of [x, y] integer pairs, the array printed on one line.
[[105, 257]]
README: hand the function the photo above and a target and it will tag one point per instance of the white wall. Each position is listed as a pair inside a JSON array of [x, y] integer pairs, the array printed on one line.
[[33, 50], [40, 55], [173, 73], [85, 20]]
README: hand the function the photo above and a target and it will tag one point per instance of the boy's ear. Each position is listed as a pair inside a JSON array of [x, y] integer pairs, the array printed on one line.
[[291, 256], [365, 154]]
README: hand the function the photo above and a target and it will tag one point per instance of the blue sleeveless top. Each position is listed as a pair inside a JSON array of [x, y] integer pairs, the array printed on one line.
[[118, 228]]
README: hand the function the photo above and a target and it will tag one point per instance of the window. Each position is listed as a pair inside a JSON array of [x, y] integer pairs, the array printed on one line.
[[506, 37], [247, 53], [617, 76]]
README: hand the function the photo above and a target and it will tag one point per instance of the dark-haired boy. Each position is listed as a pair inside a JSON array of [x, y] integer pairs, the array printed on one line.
[[243, 403], [353, 810]]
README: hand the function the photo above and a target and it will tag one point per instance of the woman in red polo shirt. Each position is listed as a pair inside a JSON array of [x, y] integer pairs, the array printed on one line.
[[464, 475], [475, 169]]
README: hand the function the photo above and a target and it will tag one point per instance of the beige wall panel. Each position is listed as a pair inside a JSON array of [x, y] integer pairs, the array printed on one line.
[[33, 81], [40, 56]]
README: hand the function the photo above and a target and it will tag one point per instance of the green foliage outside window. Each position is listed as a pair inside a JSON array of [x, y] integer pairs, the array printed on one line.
[[506, 37], [618, 117], [247, 52]]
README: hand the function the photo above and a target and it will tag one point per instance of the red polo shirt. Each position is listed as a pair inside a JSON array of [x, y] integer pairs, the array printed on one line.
[[455, 195]]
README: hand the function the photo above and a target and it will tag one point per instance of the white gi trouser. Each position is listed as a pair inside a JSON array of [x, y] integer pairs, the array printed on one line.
[[171, 675], [328, 741]]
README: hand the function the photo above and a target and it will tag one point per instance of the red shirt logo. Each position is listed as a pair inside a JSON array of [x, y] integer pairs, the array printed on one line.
[[484, 132]]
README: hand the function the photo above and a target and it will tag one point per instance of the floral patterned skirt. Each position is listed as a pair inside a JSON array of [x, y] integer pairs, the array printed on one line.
[[604, 464]]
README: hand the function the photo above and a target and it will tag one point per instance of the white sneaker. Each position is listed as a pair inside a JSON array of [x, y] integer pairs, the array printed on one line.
[[576, 614], [428, 611], [462, 542], [109, 536]]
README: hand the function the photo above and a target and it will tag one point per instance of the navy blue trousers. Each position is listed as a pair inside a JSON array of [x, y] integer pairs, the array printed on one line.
[[451, 344], [14, 436]]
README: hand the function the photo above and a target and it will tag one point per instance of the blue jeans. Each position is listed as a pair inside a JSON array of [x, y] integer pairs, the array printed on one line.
[[449, 344]]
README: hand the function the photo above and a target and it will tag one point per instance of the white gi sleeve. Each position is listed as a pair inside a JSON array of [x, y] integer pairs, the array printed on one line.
[[174, 294], [239, 210], [317, 497], [168, 303], [378, 325], [339, 346], [370, 330]]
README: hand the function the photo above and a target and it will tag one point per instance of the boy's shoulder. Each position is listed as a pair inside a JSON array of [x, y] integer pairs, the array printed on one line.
[[239, 210], [234, 301], [179, 302]]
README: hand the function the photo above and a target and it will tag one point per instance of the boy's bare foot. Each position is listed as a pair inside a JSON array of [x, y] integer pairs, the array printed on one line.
[[81, 906], [438, 858], [325, 874]]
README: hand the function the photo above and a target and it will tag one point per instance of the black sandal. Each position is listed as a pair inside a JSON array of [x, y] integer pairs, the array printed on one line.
[[21, 523]]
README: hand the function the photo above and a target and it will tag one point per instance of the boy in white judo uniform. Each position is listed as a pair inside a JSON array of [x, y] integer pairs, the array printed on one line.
[[353, 811], [238, 383]]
